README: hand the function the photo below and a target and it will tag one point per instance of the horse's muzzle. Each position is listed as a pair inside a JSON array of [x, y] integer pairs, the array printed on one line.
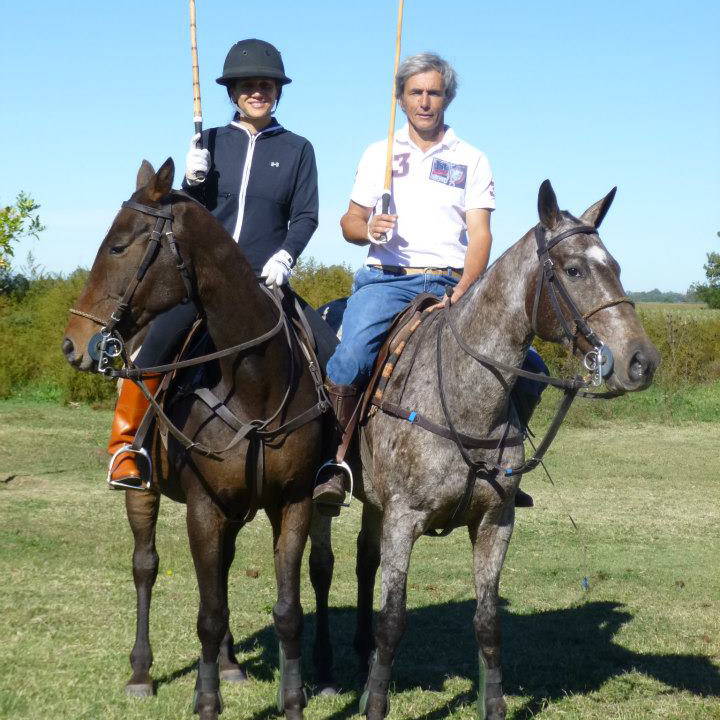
[[79, 360], [638, 365]]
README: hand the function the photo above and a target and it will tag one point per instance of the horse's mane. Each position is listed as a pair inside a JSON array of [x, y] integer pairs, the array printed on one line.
[[473, 289]]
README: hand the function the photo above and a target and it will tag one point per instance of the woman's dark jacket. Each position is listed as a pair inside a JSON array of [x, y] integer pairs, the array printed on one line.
[[279, 204]]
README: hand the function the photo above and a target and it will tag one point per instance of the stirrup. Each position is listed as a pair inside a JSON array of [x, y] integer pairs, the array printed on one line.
[[343, 467], [121, 484]]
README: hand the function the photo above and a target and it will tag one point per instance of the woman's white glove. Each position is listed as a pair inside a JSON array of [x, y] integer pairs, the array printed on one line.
[[197, 162], [277, 269]]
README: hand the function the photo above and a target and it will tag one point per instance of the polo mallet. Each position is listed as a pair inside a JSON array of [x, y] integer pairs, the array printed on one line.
[[391, 131], [197, 108]]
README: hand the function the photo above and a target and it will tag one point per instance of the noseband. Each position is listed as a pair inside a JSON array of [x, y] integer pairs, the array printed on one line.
[[108, 344], [599, 361]]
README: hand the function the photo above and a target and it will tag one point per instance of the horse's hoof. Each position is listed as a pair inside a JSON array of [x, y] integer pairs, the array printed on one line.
[[328, 690], [233, 675], [139, 690]]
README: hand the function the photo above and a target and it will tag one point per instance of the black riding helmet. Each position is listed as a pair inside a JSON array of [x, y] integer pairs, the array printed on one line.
[[253, 58]]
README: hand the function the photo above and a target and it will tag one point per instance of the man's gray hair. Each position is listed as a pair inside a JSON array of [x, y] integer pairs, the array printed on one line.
[[423, 62]]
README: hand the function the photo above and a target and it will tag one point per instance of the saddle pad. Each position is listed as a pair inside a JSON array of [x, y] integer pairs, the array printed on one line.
[[403, 326]]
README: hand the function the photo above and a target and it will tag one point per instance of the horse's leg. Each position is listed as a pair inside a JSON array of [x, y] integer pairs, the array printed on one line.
[[399, 532], [322, 562], [291, 524], [208, 530], [142, 512], [490, 539], [230, 670], [367, 563]]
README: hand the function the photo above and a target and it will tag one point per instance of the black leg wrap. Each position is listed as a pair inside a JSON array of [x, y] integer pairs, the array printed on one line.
[[208, 682], [378, 683], [290, 681]]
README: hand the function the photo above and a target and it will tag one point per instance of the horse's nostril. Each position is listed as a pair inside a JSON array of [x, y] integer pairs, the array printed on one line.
[[638, 366], [67, 346]]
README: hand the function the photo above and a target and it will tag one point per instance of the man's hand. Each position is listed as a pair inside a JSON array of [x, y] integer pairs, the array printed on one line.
[[277, 269], [197, 162], [360, 226], [380, 228], [458, 291]]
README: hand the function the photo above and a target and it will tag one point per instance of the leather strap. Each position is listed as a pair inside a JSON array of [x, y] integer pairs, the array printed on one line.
[[135, 373], [468, 441]]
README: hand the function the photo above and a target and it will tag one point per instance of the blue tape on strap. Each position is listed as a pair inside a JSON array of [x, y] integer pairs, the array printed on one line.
[[411, 417]]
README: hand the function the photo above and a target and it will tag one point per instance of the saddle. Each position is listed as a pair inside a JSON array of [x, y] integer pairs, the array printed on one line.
[[403, 326], [302, 332]]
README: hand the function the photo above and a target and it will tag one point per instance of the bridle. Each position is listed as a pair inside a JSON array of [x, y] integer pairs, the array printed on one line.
[[599, 361], [108, 344]]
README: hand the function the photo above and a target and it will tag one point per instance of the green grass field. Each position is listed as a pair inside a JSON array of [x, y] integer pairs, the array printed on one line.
[[642, 642]]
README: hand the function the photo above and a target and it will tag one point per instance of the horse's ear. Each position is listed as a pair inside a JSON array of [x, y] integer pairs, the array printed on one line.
[[595, 213], [161, 183], [145, 174], [548, 209]]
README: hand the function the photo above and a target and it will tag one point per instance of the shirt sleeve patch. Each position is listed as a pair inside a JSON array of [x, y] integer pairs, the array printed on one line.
[[448, 173]]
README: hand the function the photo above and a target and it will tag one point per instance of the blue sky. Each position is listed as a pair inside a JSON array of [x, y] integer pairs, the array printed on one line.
[[589, 95]]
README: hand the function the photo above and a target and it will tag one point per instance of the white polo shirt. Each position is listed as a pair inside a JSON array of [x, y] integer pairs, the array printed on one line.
[[431, 192]]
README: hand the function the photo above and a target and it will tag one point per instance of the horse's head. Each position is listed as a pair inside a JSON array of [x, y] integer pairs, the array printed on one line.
[[135, 267], [577, 297]]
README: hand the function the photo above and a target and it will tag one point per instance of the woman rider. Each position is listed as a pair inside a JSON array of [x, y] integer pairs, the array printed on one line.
[[260, 181]]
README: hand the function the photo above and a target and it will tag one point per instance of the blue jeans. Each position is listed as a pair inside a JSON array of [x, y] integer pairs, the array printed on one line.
[[377, 297]]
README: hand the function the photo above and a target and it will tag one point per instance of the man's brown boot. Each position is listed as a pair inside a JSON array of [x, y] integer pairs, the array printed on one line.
[[129, 412], [329, 495]]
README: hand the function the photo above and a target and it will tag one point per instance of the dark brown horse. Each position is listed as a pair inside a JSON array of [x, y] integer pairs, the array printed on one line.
[[253, 384]]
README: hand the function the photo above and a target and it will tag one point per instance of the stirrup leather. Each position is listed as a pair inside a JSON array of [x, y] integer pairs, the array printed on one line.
[[122, 485], [343, 467]]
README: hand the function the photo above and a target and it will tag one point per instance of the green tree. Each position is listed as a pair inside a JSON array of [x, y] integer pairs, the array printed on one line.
[[710, 292], [318, 283], [17, 221]]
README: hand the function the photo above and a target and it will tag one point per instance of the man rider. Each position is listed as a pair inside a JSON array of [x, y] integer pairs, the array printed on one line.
[[437, 229]]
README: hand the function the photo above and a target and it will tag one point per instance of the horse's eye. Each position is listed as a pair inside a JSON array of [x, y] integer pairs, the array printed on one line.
[[118, 249], [573, 272]]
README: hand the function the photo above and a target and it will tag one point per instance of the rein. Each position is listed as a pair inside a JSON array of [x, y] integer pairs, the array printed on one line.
[[599, 361], [107, 344]]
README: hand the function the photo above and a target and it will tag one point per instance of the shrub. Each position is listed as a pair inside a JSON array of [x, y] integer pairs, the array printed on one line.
[[32, 325], [31, 332], [687, 337], [318, 283]]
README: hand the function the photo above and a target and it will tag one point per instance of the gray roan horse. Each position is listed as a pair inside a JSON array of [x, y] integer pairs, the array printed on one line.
[[412, 478], [254, 384]]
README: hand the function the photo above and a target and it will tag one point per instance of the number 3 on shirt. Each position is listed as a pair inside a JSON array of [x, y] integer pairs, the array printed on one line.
[[401, 166]]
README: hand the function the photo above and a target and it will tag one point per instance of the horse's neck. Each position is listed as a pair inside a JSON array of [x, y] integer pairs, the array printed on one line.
[[235, 307], [494, 321]]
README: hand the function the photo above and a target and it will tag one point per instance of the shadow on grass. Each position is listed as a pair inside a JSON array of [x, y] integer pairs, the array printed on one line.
[[546, 655]]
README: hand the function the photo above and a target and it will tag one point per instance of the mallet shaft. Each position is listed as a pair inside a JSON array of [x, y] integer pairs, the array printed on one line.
[[387, 188], [197, 107]]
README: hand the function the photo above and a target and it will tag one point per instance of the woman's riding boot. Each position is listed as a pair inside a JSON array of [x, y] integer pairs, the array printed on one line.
[[329, 494], [129, 412]]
